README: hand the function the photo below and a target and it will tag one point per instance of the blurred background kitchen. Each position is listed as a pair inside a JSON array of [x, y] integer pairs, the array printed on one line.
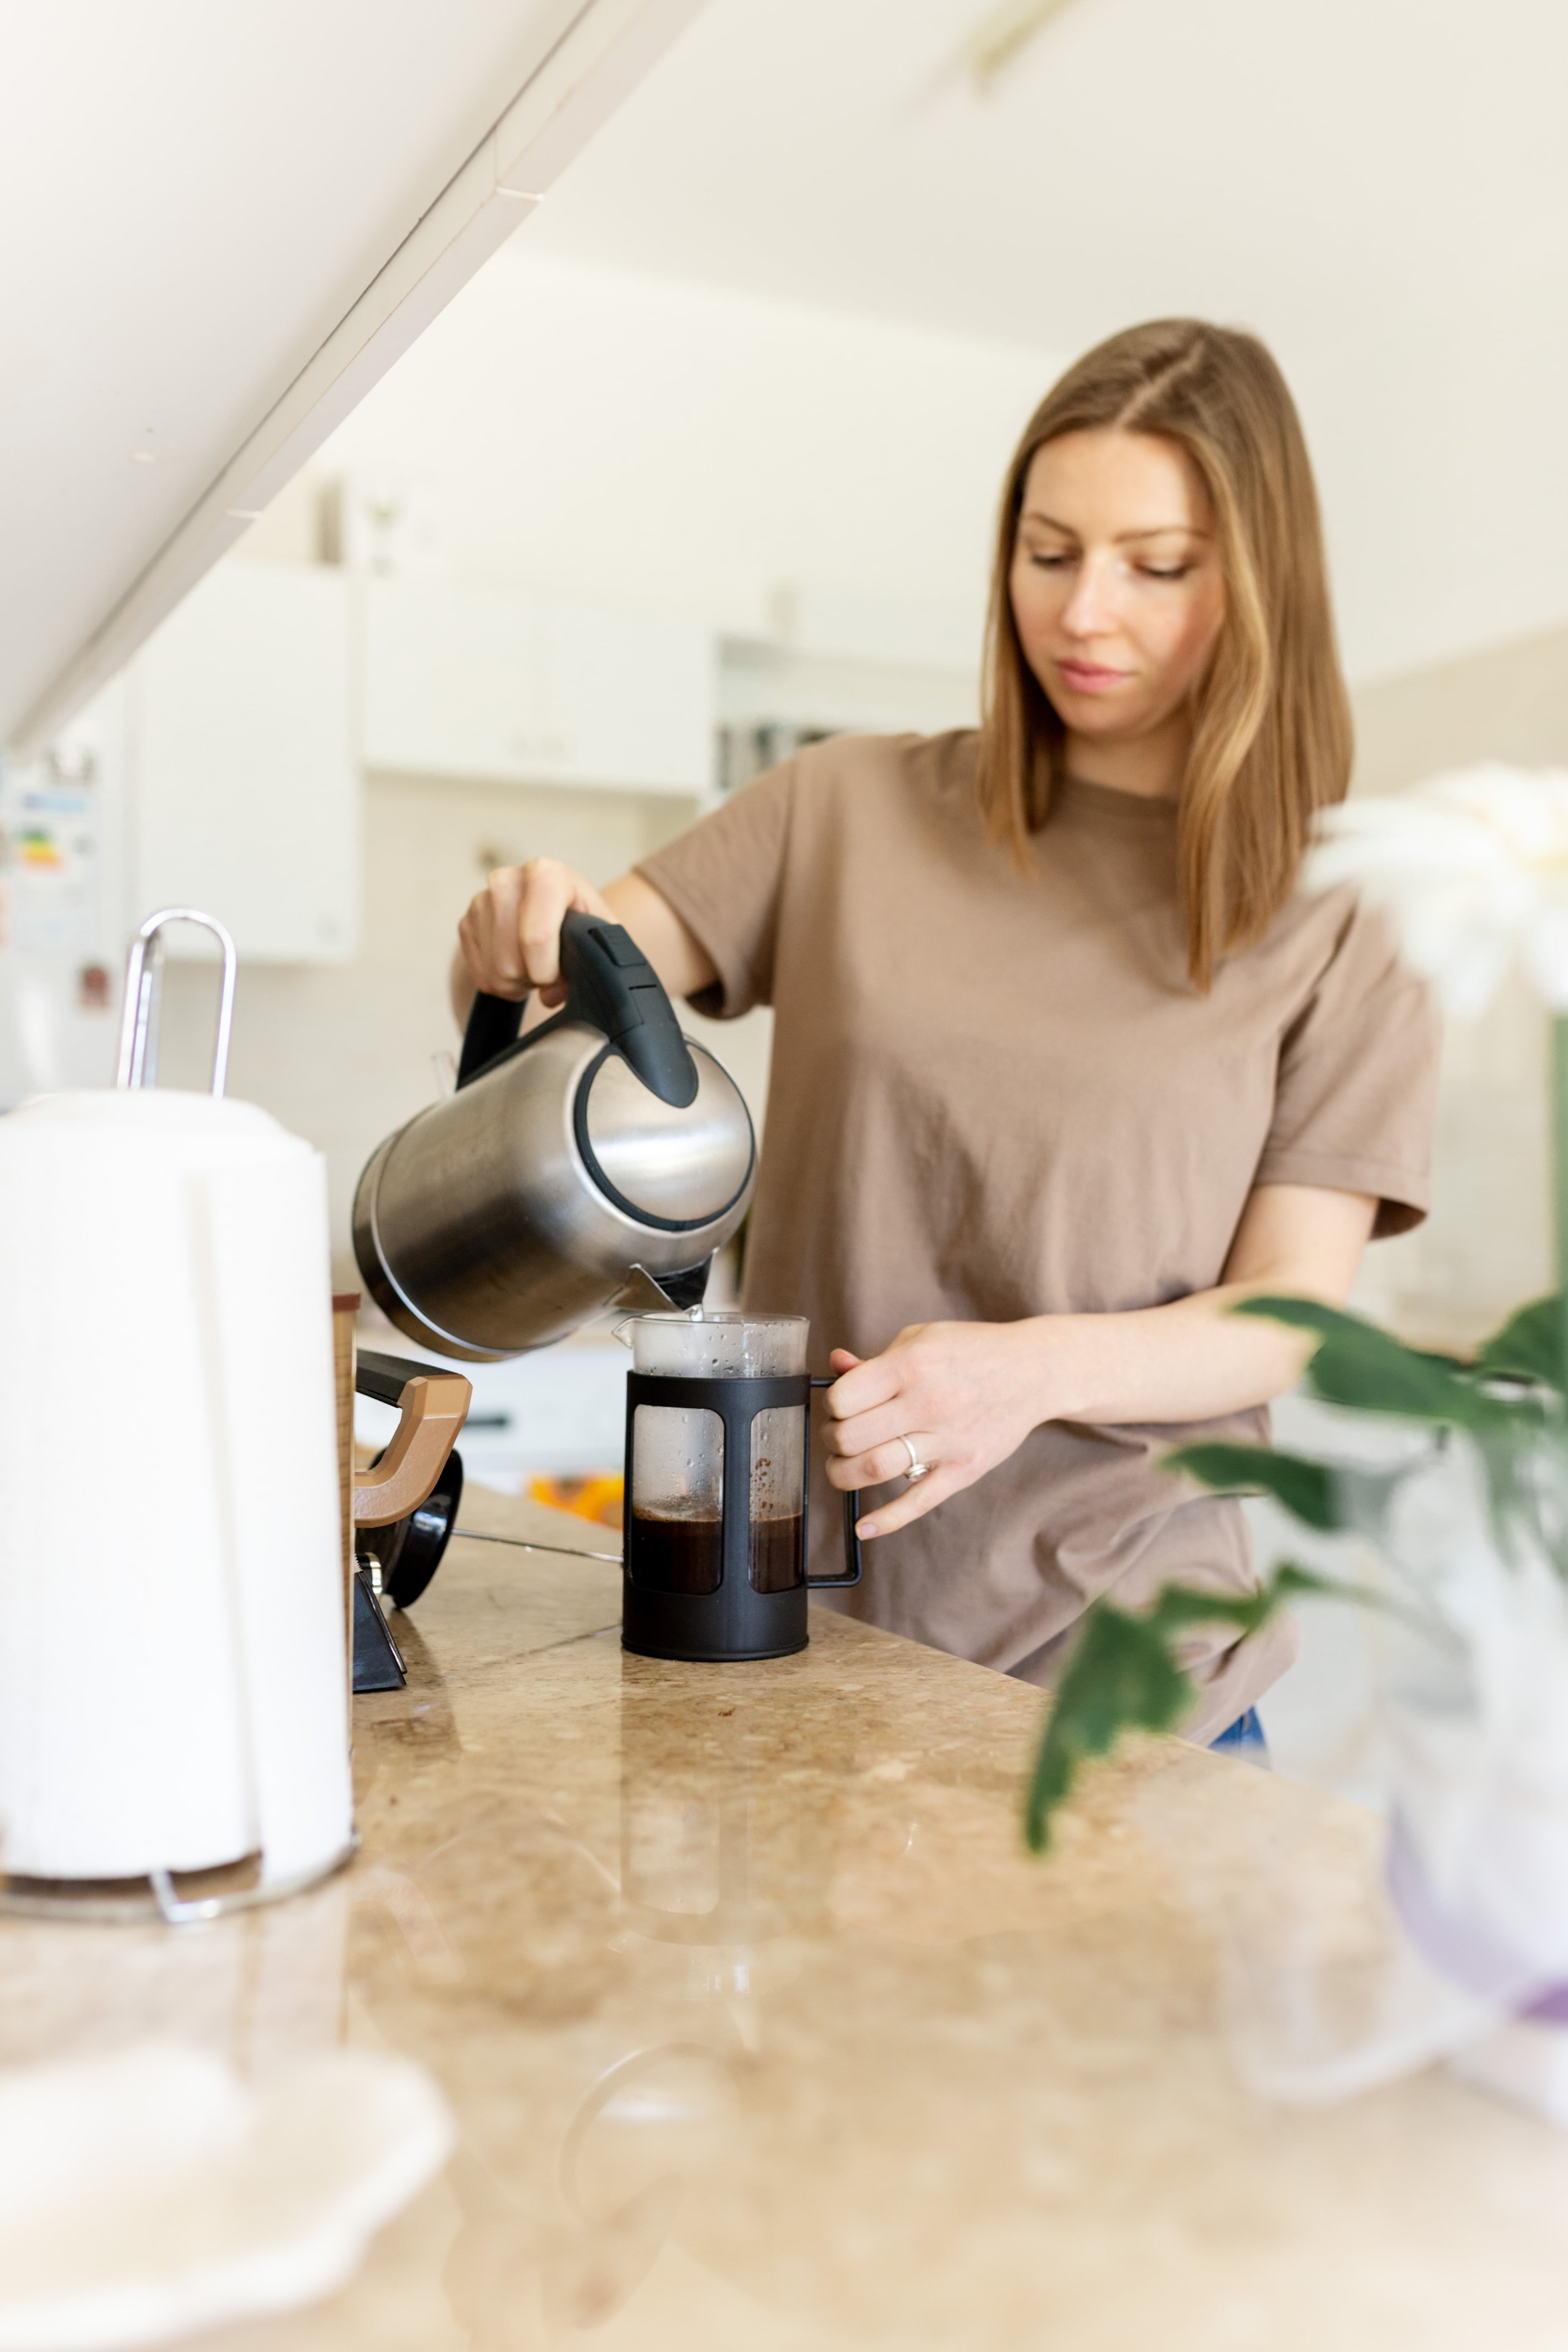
[[702, 464]]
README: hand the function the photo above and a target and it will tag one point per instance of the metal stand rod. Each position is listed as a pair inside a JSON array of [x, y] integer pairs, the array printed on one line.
[[35, 1898], [137, 1033]]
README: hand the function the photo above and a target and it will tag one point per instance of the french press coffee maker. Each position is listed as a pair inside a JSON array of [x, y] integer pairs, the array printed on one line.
[[718, 1436]]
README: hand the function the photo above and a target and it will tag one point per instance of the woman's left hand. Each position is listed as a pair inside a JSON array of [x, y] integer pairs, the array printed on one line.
[[966, 1396]]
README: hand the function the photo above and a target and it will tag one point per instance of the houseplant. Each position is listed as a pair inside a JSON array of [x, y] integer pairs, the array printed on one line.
[[1472, 1527]]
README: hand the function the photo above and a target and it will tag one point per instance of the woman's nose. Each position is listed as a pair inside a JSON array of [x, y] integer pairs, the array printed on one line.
[[1090, 609]]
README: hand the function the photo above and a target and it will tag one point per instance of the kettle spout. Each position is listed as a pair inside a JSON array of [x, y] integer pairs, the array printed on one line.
[[643, 1293]]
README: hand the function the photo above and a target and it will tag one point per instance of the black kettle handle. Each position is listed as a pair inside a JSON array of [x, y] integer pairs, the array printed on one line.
[[853, 1562], [493, 1024], [612, 986]]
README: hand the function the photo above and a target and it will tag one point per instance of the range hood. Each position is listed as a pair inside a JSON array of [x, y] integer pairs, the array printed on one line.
[[221, 225]]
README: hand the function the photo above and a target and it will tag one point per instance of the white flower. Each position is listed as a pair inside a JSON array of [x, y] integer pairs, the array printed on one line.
[[1471, 868]]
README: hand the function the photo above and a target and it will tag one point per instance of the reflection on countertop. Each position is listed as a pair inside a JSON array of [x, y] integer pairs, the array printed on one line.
[[762, 2032]]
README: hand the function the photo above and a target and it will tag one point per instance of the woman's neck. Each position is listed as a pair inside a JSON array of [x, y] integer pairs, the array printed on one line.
[[1150, 765]]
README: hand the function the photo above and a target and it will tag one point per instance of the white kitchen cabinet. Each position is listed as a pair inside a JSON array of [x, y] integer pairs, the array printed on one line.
[[477, 683], [244, 789]]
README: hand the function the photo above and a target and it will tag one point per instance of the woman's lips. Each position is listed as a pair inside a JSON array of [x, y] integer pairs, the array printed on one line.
[[1090, 677]]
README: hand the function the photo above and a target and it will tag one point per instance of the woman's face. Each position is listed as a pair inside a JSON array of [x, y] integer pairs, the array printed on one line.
[[1116, 582]]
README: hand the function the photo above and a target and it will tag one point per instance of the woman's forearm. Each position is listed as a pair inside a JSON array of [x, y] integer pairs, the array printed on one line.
[[1191, 1361], [960, 1397]]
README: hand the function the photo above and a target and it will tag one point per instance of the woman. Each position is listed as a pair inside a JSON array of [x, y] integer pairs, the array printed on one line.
[[1061, 1066]]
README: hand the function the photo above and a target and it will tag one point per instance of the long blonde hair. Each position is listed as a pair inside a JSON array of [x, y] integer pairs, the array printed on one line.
[[1272, 732]]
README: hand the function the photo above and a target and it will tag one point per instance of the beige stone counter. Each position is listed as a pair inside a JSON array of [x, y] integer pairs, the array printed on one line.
[[762, 2032]]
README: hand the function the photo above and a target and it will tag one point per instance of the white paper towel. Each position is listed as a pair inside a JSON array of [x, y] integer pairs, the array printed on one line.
[[173, 1675]]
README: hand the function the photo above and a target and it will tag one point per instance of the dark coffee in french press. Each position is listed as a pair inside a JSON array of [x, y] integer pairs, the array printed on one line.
[[718, 1419]]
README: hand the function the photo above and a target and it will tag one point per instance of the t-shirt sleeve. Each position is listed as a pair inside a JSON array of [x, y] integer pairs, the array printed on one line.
[[1355, 1097], [723, 878]]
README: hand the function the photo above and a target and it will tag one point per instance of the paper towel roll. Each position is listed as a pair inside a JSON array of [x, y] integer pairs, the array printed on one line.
[[173, 1675]]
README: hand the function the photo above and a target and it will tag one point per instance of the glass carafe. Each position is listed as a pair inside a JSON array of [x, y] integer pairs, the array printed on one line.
[[677, 1492]]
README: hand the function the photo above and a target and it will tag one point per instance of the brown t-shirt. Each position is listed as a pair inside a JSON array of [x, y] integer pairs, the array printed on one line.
[[996, 1095]]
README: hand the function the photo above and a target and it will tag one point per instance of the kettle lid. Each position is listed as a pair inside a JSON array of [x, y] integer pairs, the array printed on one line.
[[666, 1165]]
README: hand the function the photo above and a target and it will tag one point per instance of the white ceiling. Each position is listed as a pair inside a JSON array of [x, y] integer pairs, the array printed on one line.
[[192, 197], [1378, 186]]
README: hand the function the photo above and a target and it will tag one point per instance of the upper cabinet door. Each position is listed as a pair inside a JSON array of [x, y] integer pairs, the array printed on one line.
[[475, 683]]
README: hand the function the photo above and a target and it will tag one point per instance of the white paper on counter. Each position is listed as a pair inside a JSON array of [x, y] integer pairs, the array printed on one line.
[[150, 2193]]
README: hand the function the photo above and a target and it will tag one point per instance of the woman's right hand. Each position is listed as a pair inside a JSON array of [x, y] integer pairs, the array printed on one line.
[[509, 943], [509, 940]]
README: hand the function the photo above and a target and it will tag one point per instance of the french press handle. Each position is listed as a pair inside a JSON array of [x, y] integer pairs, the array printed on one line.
[[852, 1557], [612, 986]]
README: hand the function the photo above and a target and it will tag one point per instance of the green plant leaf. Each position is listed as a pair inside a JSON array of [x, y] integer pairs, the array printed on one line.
[[1120, 1678], [1123, 1675], [1179, 1605], [1369, 1370], [1307, 1489], [1528, 1346], [1332, 1496]]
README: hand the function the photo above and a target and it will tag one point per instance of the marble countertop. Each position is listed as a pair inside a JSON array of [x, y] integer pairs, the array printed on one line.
[[762, 2032]]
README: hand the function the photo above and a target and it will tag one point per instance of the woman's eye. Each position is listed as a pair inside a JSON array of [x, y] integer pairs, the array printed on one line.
[[1043, 562], [1164, 571]]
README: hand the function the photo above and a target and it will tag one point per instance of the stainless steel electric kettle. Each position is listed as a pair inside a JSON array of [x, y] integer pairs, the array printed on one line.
[[597, 1163]]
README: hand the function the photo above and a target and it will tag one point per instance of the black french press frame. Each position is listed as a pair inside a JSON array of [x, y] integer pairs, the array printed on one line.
[[735, 1623]]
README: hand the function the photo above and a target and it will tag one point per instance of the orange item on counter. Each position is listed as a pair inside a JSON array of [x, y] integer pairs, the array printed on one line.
[[600, 1496]]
